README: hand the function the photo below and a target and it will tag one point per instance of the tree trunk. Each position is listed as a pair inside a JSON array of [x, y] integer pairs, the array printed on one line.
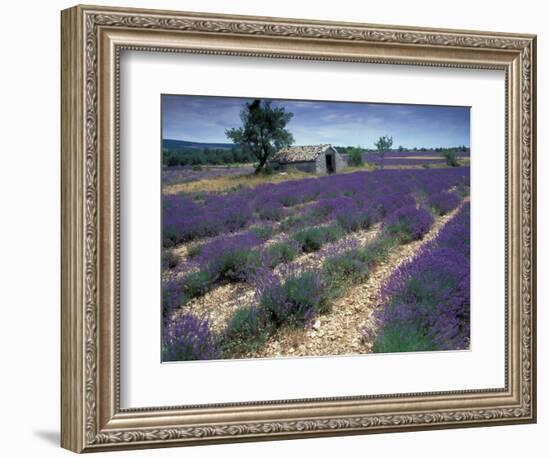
[[260, 166], [263, 161]]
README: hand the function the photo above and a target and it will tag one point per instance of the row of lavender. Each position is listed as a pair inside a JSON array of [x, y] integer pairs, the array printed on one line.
[[187, 174], [295, 299], [411, 158], [427, 300], [241, 257], [417, 153], [403, 161], [300, 295], [191, 217]]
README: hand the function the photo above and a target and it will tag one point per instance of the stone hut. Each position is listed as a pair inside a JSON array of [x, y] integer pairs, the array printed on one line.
[[320, 159]]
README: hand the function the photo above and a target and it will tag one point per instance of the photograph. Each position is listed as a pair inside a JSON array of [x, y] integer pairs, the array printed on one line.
[[308, 228]]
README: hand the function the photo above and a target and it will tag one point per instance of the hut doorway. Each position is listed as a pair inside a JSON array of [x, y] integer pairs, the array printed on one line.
[[329, 158]]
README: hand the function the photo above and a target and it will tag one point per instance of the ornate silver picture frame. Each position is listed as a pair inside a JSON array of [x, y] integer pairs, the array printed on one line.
[[93, 39]]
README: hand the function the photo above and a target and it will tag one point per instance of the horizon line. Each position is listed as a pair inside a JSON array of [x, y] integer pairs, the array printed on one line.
[[311, 144]]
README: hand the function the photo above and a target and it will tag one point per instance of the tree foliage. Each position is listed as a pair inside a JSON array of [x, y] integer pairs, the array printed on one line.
[[450, 157], [206, 156], [383, 144], [263, 130], [355, 156]]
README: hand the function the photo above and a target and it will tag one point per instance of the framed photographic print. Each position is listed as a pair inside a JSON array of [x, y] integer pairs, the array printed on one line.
[[277, 228]]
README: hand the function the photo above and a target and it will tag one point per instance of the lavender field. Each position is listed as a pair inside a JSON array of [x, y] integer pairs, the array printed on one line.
[[187, 174], [347, 263], [421, 158]]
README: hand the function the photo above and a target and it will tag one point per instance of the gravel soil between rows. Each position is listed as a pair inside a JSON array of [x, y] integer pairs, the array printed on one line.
[[339, 332]]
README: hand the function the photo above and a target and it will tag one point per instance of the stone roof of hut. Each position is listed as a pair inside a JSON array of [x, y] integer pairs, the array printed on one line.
[[302, 153]]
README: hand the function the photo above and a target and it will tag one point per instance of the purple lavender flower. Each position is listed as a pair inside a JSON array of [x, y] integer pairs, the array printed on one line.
[[355, 200], [351, 214], [443, 202], [172, 295], [280, 252], [270, 209], [408, 223], [388, 203], [403, 161], [294, 301], [193, 216], [188, 338], [183, 219], [427, 300], [230, 258]]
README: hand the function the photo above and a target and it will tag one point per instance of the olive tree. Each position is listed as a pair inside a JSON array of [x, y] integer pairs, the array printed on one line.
[[263, 130]]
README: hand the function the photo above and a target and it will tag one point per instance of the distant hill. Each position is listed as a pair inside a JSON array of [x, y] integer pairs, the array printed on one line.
[[183, 145]]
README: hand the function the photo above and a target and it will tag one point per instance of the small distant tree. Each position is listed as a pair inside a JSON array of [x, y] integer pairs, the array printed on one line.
[[400, 149], [383, 145], [355, 156], [263, 130], [450, 157]]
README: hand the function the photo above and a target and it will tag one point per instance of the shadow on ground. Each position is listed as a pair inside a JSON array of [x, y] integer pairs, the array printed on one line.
[[52, 437]]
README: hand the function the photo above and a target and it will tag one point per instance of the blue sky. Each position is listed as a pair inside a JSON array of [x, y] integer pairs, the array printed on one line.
[[205, 119]]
